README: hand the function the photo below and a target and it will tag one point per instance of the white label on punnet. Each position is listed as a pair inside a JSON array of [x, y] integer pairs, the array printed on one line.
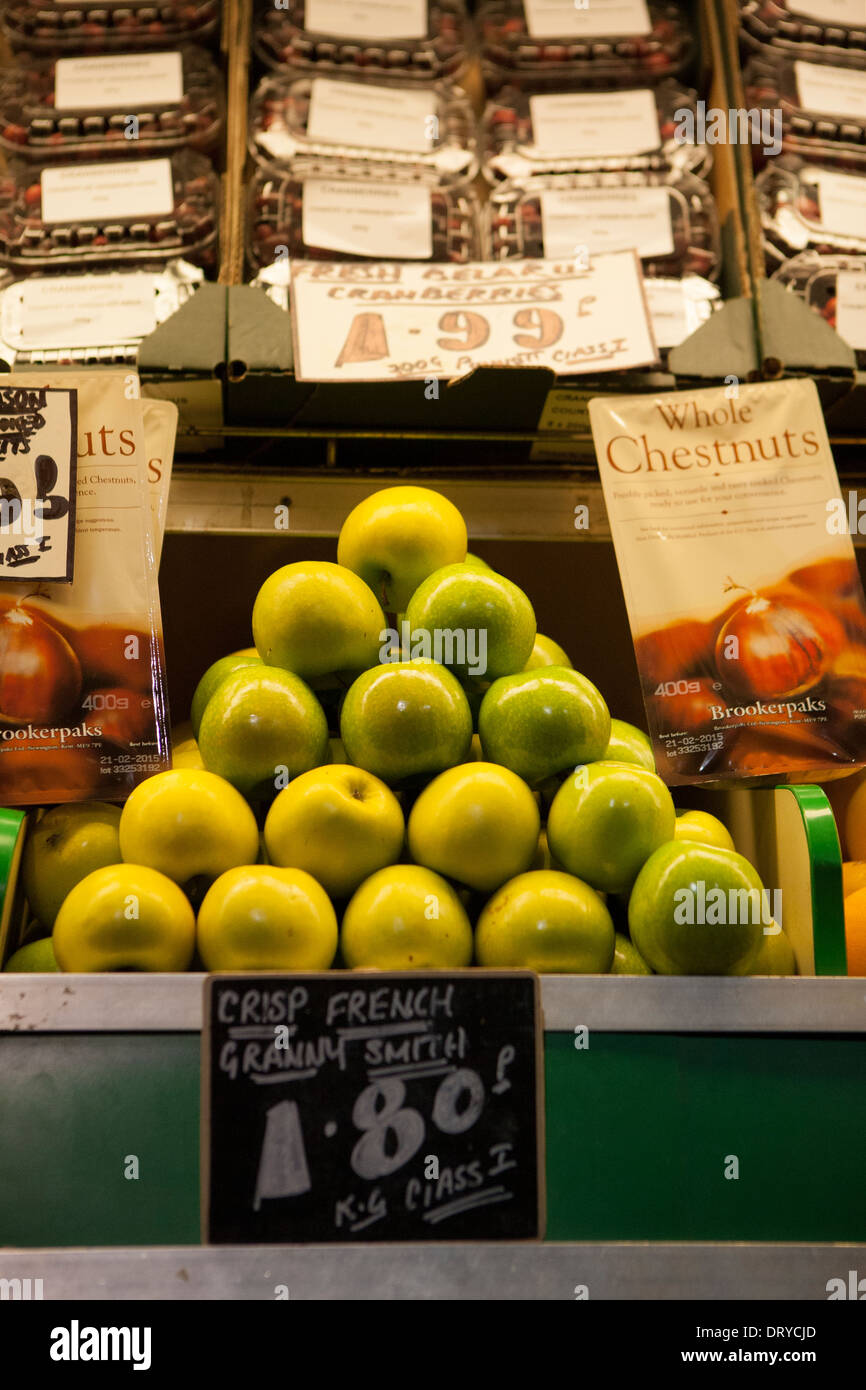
[[94, 192], [842, 202], [78, 311], [606, 219], [832, 91], [851, 307], [554, 19], [388, 221], [124, 82], [832, 11], [590, 125], [367, 19], [378, 118]]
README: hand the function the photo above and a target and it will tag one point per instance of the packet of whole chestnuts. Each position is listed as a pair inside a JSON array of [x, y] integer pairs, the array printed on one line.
[[742, 589], [82, 685]]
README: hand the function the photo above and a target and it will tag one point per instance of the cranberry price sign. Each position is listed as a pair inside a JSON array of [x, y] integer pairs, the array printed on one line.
[[38, 432], [346, 1107], [365, 321]]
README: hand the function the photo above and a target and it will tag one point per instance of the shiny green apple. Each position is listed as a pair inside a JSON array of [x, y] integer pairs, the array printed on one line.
[[538, 723], [261, 727], [405, 720], [697, 910], [606, 820], [474, 621], [546, 652], [629, 744], [214, 676]]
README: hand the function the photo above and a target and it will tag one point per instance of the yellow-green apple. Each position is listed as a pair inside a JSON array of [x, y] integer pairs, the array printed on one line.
[[406, 719], [626, 959], [542, 858], [314, 618], [476, 561], [67, 844], [213, 677], [629, 744], [406, 918], [36, 958], [546, 921], [186, 754], [399, 535], [606, 820], [339, 823], [262, 917], [125, 917], [188, 824], [697, 910], [262, 726], [474, 621], [546, 652], [702, 828], [538, 723], [477, 824], [775, 957]]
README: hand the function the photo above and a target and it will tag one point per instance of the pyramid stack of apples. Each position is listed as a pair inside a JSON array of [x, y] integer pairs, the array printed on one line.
[[400, 774]]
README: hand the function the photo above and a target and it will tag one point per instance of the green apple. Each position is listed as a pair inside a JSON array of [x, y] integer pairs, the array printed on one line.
[[697, 910], [262, 726], [775, 957], [476, 562], [546, 921], [66, 845], [606, 820], [398, 536], [213, 676], [35, 958], [338, 823], [406, 719], [474, 621], [477, 824], [546, 652], [629, 744], [702, 828], [314, 618], [538, 723], [406, 918], [627, 960]]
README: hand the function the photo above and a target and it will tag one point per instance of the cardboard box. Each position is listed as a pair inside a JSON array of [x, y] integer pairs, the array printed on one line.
[[183, 360]]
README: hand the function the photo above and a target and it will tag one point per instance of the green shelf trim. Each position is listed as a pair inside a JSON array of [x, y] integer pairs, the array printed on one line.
[[825, 853]]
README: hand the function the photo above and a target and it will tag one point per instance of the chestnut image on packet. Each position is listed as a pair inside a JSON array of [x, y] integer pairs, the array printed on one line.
[[83, 709], [742, 589]]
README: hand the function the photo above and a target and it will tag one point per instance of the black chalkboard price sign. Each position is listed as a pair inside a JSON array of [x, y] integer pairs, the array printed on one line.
[[372, 1107]]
